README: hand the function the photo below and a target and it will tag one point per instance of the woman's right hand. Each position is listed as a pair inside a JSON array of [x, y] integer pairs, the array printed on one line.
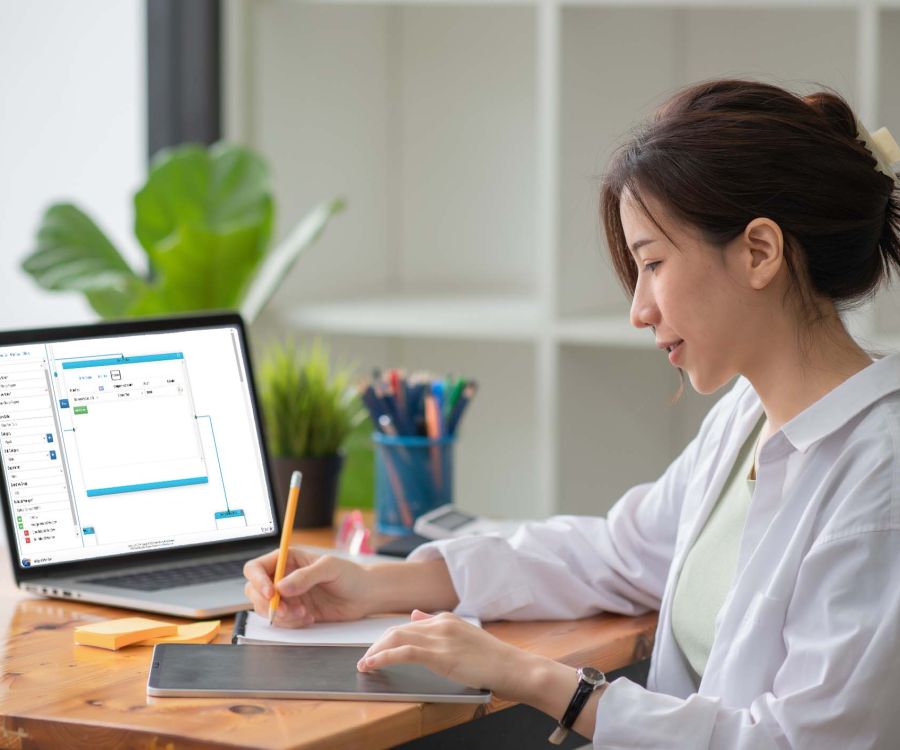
[[314, 588]]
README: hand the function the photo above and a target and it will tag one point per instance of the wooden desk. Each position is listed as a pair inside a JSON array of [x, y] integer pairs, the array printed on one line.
[[54, 694]]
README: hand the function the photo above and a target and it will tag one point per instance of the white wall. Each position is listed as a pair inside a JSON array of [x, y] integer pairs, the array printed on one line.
[[72, 92]]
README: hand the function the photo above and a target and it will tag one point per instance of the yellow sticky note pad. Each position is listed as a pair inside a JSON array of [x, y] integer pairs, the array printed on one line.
[[196, 632], [113, 634]]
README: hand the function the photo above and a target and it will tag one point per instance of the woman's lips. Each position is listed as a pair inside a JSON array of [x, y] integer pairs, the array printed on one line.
[[675, 351]]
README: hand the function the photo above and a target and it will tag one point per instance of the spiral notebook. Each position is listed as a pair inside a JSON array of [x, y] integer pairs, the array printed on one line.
[[249, 627]]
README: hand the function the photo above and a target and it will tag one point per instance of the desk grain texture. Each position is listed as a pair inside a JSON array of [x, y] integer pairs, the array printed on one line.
[[54, 694]]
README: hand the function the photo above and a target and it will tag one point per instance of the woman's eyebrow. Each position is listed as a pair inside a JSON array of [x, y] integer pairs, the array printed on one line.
[[639, 244]]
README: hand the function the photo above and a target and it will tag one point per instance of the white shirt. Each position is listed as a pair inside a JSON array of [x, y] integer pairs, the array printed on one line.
[[807, 645]]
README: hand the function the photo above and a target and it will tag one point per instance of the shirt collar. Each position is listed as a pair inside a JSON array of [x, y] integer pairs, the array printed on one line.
[[839, 406]]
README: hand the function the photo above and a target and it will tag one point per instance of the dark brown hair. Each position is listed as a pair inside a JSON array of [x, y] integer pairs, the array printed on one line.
[[720, 153]]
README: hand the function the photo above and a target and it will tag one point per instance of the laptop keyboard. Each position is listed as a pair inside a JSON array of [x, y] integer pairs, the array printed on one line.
[[170, 578]]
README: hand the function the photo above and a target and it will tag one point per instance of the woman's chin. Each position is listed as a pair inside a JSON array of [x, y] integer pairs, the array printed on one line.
[[706, 383]]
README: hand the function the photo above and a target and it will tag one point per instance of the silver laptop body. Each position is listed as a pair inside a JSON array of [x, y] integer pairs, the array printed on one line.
[[133, 470]]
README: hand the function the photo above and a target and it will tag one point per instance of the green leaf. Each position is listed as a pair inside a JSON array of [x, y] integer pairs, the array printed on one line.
[[207, 270], [73, 254], [215, 189], [205, 220], [153, 301]]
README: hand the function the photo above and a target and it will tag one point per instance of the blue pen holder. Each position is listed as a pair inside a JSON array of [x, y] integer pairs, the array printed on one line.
[[413, 475]]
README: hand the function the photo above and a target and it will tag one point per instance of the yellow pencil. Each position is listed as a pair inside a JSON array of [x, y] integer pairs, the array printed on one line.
[[286, 529]]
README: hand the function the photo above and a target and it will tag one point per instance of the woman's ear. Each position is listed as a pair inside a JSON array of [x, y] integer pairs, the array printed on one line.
[[764, 243]]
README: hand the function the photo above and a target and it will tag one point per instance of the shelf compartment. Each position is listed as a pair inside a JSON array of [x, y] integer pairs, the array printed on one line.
[[409, 112], [444, 317]]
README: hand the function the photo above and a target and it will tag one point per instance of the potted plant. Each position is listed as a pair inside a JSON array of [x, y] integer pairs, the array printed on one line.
[[204, 218], [310, 412]]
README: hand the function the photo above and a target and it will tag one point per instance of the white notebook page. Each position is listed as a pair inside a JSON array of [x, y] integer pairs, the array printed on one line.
[[355, 633]]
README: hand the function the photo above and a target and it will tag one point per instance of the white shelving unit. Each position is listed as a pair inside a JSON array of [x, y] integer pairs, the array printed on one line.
[[468, 138]]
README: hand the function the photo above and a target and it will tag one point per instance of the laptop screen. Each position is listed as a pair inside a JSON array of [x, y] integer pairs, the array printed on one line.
[[130, 443]]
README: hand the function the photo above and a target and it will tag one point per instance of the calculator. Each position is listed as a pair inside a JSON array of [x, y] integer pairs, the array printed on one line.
[[449, 521]]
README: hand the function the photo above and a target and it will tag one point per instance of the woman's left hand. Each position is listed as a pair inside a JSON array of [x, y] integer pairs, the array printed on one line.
[[452, 648]]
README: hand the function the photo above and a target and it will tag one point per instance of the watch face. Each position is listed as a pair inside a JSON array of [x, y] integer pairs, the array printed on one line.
[[591, 675]]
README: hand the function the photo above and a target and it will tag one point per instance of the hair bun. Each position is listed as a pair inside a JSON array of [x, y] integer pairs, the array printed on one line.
[[834, 110]]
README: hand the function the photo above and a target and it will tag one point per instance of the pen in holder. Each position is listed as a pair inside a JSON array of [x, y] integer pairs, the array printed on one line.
[[413, 475]]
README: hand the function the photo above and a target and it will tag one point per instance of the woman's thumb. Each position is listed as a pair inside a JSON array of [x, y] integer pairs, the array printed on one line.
[[418, 614], [305, 578]]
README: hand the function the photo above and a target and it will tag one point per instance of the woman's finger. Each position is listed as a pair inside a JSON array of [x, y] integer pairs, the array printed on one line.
[[401, 635], [260, 603], [289, 614], [389, 638], [292, 611], [252, 594], [322, 570], [259, 571], [406, 654]]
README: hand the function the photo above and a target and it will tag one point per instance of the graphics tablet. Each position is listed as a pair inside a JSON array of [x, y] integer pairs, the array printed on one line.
[[319, 672]]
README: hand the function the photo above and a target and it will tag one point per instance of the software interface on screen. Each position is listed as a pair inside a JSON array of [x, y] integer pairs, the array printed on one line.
[[127, 444]]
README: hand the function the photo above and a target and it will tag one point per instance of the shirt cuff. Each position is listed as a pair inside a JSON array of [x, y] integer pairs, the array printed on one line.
[[630, 716], [473, 563]]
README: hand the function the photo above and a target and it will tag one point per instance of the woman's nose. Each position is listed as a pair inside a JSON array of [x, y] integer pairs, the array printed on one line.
[[644, 312]]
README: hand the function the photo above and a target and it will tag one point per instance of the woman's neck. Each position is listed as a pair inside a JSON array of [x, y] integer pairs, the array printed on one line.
[[789, 378]]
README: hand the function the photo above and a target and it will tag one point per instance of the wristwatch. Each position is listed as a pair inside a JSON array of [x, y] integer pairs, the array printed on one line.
[[589, 679]]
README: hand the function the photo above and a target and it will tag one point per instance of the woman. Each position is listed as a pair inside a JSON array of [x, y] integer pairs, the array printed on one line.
[[741, 218]]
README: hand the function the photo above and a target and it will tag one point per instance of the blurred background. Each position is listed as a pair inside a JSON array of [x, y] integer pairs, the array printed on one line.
[[467, 139]]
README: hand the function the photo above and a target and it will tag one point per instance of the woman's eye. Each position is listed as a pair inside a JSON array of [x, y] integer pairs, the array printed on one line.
[[652, 266]]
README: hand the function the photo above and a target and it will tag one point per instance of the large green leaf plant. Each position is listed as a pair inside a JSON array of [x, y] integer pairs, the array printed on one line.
[[204, 218]]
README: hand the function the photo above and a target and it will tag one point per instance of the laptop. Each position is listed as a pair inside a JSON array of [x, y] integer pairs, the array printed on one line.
[[133, 470]]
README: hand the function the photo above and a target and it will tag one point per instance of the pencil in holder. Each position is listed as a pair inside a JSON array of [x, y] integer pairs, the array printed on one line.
[[413, 475]]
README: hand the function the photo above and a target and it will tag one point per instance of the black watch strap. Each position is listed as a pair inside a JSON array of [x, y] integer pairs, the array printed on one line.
[[589, 679]]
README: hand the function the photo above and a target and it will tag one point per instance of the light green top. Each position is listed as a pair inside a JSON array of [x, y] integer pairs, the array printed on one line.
[[710, 564]]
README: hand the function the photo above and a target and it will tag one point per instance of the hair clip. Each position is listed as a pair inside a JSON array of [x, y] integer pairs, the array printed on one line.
[[883, 147]]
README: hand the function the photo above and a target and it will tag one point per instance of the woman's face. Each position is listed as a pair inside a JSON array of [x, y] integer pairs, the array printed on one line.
[[691, 296]]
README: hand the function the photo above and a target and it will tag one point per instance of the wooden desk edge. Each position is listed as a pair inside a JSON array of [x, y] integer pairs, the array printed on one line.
[[48, 719]]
